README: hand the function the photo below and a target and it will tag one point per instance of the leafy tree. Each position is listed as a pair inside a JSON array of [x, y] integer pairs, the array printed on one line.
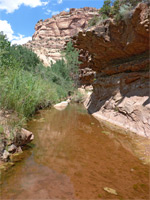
[[71, 56], [27, 59], [116, 7], [5, 57], [105, 11]]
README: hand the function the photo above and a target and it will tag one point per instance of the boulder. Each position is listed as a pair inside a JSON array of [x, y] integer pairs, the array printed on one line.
[[61, 106], [24, 137], [5, 155], [12, 148]]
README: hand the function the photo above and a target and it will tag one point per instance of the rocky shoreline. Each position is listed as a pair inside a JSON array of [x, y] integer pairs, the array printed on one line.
[[12, 137]]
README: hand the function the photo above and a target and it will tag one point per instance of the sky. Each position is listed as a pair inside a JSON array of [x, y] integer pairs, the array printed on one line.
[[18, 17]]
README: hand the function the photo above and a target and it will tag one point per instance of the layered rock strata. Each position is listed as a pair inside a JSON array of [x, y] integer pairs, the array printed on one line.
[[51, 34], [115, 60]]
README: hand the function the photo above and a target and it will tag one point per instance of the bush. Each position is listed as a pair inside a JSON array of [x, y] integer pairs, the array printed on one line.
[[23, 92], [118, 9], [5, 57], [93, 21], [26, 59], [105, 11], [72, 63], [26, 85]]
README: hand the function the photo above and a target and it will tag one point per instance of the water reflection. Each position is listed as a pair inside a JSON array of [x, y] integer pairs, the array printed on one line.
[[74, 159]]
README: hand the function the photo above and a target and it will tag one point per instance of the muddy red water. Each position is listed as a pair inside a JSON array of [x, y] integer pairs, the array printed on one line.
[[75, 158]]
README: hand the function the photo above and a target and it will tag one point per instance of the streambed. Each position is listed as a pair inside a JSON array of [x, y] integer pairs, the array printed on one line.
[[74, 157]]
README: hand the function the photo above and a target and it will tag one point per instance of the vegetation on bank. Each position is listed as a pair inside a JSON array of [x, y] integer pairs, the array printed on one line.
[[26, 85], [116, 9]]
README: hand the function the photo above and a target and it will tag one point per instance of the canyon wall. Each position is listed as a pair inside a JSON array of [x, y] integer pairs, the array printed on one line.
[[115, 60], [51, 34]]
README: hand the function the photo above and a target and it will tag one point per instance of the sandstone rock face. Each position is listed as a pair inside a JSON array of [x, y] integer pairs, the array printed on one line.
[[51, 34], [117, 57]]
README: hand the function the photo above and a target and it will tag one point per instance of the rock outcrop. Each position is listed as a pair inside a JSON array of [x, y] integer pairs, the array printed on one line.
[[51, 34], [115, 60], [12, 138]]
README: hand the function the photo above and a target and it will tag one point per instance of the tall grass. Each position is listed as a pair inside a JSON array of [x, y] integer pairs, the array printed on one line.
[[24, 92]]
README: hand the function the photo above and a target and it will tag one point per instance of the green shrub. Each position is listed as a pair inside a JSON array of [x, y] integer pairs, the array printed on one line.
[[5, 57], [1, 129], [27, 59], [93, 21], [26, 85], [72, 63], [105, 11], [23, 92], [118, 9]]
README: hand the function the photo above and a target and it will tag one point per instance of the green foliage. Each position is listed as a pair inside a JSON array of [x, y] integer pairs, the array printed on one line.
[[22, 92], [72, 63], [4, 51], [118, 9], [106, 9], [26, 58], [115, 8], [26, 85], [124, 12], [59, 72], [133, 3], [78, 97], [1, 129], [93, 21]]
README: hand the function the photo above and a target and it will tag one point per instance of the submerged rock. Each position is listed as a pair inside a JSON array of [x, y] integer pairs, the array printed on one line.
[[62, 105], [110, 190]]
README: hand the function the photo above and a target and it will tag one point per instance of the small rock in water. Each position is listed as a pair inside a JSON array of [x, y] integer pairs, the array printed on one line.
[[26, 136], [61, 106], [106, 132], [132, 170], [110, 190]]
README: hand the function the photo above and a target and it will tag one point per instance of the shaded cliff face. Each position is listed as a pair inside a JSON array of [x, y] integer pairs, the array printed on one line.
[[115, 60], [51, 34]]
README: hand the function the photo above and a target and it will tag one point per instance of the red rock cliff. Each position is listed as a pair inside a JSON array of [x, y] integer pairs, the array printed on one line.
[[115, 60], [51, 34]]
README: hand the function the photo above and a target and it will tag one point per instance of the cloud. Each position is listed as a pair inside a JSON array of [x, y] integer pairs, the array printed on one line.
[[48, 11], [20, 39], [7, 30], [59, 1], [67, 9], [11, 5], [55, 12]]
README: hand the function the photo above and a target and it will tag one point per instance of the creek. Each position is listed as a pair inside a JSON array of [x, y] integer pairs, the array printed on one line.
[[74, 157]]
